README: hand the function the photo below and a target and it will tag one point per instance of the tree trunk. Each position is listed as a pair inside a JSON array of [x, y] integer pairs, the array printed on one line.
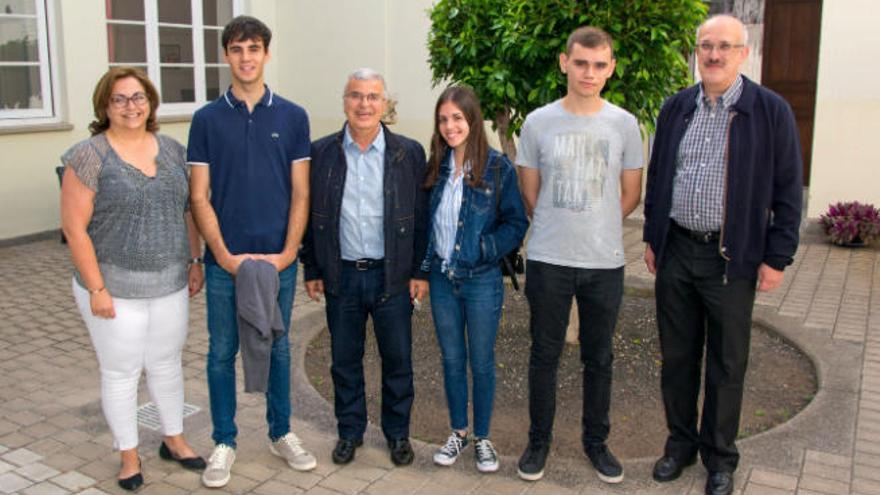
[[502, 122]]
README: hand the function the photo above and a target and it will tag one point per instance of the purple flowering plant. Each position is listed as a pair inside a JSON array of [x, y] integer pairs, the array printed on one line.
[[851, 223]]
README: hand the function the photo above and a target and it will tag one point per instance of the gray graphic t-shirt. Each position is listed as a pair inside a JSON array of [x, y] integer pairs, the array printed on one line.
[[577, 220]]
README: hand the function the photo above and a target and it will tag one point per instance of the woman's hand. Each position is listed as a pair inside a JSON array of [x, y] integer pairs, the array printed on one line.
[[196, 278], [102, 304]]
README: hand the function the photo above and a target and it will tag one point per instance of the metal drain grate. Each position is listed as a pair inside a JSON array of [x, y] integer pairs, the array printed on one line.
[[148, 415]]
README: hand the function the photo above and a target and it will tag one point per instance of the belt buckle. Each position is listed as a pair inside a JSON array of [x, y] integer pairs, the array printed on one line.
[[362, 265], [706, 237]]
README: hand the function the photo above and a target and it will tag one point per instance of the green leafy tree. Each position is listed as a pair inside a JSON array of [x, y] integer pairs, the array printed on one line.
[[508, 51]]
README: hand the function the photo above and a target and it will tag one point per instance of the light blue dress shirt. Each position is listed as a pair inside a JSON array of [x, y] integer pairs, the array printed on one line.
[[446, 216], [361, 230]]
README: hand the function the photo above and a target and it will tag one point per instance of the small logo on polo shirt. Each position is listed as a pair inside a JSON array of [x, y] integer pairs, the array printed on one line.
[[275, 135]]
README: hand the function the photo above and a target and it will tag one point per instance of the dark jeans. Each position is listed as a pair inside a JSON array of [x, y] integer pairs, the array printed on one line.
[[549, 289], [695, 307], [223, 347], [466, 313], [361, 294]]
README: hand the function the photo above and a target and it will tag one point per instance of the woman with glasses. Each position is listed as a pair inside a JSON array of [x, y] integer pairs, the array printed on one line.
[[124, 212], [477, 216]]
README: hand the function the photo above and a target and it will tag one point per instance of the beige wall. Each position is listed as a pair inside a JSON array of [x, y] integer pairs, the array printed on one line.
[[321, 47], [845, 155]]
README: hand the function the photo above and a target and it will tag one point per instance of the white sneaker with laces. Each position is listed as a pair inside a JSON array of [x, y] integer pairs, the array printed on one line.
[[217, 473], [448, 453], [487, 457], [289, 447]]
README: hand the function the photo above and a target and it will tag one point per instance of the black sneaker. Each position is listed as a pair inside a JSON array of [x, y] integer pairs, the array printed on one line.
[[606, 465], [531, 463]]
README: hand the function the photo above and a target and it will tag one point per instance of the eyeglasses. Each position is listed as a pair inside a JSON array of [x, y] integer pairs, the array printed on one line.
[[121, 101], [370, 97], [723, 48]]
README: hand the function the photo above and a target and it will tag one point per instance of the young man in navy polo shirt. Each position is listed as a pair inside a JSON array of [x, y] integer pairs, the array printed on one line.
[[249, 152]]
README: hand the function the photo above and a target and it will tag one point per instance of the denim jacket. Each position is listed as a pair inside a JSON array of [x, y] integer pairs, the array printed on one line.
[[404, 217], [485, 233]]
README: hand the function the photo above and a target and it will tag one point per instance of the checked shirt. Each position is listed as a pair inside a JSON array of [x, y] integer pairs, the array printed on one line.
[[698, 187]]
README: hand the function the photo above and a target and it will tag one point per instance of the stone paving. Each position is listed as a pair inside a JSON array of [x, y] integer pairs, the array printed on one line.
[[53, 439]]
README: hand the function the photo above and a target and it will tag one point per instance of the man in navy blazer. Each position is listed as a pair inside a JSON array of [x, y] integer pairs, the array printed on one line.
[[722, 212], [367, 235]]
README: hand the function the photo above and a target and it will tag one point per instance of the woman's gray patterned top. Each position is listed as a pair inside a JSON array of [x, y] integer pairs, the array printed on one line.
[[138, 226]]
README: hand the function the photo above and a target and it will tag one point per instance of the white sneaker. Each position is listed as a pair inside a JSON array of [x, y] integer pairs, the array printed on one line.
[[217, 473], [448, 453], [289, 447], [487, 458]]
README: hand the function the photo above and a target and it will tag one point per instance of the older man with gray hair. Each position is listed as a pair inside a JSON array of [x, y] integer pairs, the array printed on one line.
[[367, 233], [722, 210]]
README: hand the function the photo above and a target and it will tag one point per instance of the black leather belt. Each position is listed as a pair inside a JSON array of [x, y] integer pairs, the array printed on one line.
[[703, 237], [363, 264]]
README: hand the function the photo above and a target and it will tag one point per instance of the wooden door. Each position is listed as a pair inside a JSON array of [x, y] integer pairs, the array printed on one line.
[[791, 60]]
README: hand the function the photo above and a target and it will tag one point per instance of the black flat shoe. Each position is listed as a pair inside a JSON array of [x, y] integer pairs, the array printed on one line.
[[401, 452], [669, 468], [191, 463], [343, 453], [132, 483]]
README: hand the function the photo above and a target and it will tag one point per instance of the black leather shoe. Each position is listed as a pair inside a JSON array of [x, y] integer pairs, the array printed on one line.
[[719, 483], [343, 453], [192, 463], [401, 452], [669, 468]]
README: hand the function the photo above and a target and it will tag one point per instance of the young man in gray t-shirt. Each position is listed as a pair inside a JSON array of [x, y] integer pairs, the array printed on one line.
[[580, 162]]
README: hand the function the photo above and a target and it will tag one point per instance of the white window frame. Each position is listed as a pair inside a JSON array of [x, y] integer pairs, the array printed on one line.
[[49, 112], [154, 68]]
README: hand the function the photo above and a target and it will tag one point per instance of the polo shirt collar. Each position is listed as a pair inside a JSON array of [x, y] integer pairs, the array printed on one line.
[[266, 100], [378, 142], [728, 99]]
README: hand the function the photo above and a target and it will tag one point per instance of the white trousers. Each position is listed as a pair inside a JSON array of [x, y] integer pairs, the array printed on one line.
[[146, 334]]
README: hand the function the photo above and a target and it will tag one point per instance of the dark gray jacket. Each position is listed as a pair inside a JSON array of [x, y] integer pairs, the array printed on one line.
[[259, 320]]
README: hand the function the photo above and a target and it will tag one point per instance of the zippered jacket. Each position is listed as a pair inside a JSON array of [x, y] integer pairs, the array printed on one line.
[[405, 219], [763, 180]]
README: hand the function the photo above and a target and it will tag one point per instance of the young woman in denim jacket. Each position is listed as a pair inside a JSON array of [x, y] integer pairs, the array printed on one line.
[[474, 222]]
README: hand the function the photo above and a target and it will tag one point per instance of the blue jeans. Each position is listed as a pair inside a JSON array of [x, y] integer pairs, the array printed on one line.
[[361, 294], [223, 347], [466, 313], [549, 289]]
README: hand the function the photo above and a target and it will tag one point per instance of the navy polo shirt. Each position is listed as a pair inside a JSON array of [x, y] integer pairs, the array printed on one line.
[[249, 156]]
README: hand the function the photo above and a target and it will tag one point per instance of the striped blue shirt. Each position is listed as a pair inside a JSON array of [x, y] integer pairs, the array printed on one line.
[[446, 216], [361, 233], [698, 187]]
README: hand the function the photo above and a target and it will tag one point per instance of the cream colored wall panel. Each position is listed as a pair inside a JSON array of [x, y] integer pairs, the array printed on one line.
[[323, 42], [845, 156], [408, 71]]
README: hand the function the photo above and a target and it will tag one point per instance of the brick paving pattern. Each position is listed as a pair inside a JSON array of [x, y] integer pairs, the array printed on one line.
[[53, 438]]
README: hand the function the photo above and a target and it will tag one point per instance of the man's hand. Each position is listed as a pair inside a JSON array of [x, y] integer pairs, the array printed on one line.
[[418, 289], [281, 261], [230, 262], [650, 262], [314, 288], [769, 279]]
